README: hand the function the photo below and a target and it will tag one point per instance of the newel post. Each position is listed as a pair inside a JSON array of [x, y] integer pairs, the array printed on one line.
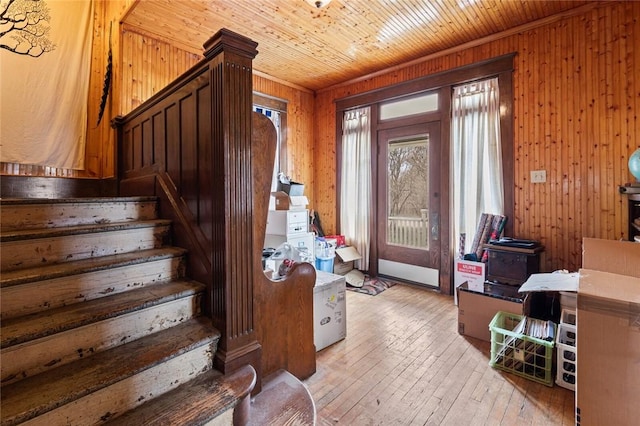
[[232, 296]]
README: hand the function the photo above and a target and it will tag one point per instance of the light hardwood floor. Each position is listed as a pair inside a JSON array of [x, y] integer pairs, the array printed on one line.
[[403, 363]]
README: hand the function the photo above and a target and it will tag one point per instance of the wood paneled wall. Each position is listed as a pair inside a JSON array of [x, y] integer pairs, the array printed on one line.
[[577, 97], [150, 64], [143, 65], [99, 155]]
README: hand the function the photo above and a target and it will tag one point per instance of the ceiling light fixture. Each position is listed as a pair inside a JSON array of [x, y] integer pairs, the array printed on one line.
[[318, 3]]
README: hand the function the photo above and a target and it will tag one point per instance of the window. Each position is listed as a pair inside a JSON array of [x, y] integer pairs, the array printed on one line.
[[409, 106], [276, 111]]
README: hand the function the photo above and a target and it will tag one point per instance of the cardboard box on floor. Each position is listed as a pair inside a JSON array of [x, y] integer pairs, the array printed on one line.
[[343, 262], [608, 326], [476, 310]]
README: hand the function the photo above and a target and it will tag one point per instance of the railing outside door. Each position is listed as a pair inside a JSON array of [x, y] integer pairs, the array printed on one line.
[[409, 231]]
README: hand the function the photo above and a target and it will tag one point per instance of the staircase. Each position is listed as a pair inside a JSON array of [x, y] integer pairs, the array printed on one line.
[[100, 324]]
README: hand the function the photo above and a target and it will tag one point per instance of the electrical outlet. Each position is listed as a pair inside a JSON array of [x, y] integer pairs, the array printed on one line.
[[538, 176]]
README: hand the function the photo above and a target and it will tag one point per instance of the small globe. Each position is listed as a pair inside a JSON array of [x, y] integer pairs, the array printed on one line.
[[634, 164]]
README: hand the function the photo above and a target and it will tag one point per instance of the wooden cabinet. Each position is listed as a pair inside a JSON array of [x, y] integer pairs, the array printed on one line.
[[512, 265]]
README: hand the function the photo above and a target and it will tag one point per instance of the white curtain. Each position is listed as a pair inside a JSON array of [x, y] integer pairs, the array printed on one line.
[[44, 82], [355, 182], [477, 183]]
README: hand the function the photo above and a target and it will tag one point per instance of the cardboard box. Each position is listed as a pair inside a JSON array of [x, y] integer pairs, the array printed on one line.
[[476, 310], [343, 262], [470, 272], [282, 201], [617, 257], [279, 201], [329, 309], [568, 300], [608, 326]]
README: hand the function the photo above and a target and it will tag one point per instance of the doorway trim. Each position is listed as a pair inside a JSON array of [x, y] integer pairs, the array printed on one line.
[[501, 67], [423, 261]]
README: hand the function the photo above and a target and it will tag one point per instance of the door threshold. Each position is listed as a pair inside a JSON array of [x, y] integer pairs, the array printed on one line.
[[410, 283]]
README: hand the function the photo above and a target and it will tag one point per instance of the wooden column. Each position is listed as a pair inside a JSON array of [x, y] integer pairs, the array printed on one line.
[[190, 145], [232, 293]]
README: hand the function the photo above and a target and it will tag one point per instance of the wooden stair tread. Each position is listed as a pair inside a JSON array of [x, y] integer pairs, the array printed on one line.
[[45, 323], [29, 234], [38, 394], [82, 266], [284, 400], [83, 200], [195, 402]]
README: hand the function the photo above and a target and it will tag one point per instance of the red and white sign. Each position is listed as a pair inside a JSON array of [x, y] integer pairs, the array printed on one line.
[[473, 269], [470, 272]]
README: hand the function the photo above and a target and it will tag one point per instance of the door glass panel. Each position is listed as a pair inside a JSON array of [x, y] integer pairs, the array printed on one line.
[[408, 192]]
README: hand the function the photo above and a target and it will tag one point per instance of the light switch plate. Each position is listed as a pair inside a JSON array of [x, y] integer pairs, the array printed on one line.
[[538, 176]]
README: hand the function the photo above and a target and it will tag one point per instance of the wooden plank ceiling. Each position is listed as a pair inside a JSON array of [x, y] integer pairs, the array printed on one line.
[[318, 48]]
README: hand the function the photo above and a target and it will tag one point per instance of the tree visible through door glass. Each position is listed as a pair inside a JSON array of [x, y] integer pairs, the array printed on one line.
[[408, 192]]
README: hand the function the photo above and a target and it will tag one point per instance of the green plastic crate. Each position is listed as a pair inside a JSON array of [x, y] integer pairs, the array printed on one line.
[[518, 353]]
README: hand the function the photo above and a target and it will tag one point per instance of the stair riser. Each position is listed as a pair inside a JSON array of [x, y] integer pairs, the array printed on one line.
[[58, 271], [34, 216], [27, 359], [37, 296], [44, 251], [127, 394], [224, 419]]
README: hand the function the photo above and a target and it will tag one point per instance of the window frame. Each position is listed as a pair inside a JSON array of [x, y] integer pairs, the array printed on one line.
[[280, 105]]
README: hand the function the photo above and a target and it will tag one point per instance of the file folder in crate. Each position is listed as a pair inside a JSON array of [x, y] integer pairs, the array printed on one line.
[[516, 352]]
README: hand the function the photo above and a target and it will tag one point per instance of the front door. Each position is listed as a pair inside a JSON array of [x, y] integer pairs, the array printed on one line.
[[408, 216]]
